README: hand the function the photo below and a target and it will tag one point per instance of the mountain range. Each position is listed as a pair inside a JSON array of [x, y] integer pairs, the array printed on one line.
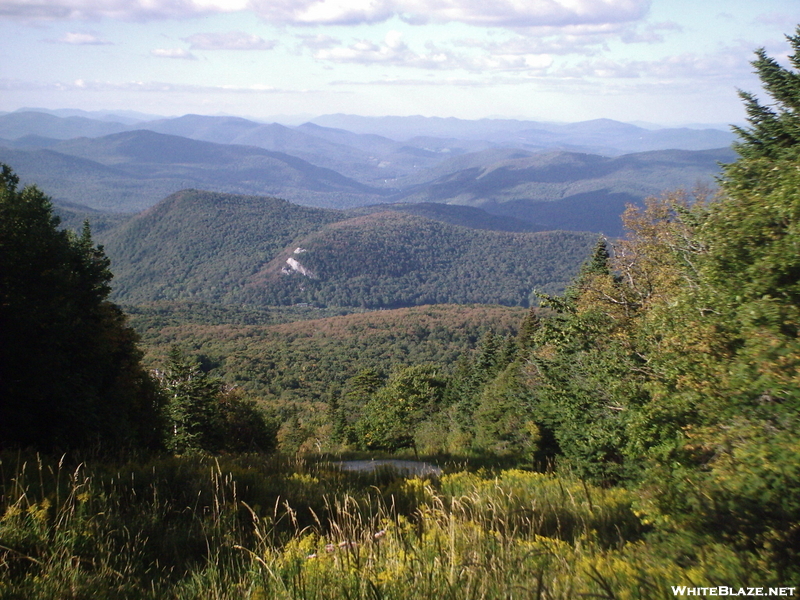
[[314, 165], [236, 212]]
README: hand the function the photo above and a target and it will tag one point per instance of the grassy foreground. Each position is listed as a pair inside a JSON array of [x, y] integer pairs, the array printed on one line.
[[250, 527]]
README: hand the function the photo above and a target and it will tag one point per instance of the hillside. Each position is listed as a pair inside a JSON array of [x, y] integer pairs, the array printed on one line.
[[567, 190], [454, 214], [336, 168], [130, 171], [225, 248], [297, 362], [203, 245], [389, 260]]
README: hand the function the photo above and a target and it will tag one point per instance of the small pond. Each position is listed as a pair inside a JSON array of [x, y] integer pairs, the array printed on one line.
[[404, 467]]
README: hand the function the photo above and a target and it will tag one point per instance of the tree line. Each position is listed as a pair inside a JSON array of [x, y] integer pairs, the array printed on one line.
[[70, 366]]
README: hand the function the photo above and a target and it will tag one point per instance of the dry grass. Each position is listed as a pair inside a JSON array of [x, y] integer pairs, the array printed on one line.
[[248, 527]]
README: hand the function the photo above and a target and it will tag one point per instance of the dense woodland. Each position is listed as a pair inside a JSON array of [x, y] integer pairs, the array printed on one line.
[[650, 411], [222, 248]]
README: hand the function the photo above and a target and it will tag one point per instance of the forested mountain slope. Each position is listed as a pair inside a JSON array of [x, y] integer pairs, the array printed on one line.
[[317, 166], [455, 214], [130, 171], [567, 190], [227, 248], [390, 260], [297, 362], [18, 124], [198, 244]]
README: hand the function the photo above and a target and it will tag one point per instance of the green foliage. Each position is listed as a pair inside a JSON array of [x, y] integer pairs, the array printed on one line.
[[503, 420], [298, 369], [255, 527], [220, 248], [389, 260], [675, 364], [773, 130], [69, 366], [393, 414], [198, 245], [203, 415]]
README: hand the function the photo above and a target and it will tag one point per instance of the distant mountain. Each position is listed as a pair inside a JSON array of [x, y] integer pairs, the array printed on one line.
[[405, 128], [118, 116], [562, 190], [452, 214], [18, 124], [133, 170], [71, 179], [204, 246], [30, 142], [367, 158], [487, 167], [601, 136], [375, 150]]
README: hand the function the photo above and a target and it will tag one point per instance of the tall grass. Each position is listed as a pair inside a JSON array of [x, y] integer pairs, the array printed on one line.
[[263, 528]]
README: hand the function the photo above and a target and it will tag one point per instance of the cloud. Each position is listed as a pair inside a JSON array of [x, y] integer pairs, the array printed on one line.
[[173, 53], [395, 52], [318, 42], [142, 86], [126, 10], [81, 39], [233, 40], [542, 44], [725, 65], [392, 51], [498, 13], [652, 34]]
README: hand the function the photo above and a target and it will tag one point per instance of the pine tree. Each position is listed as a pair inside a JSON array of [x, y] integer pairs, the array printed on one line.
[[775, 129], [70, 372]]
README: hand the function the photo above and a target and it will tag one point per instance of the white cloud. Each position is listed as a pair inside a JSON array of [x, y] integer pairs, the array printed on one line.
[[725, 65], [319, 42], [394, 51], [523, 45], [128, 10], [391, 51], [173, 53], [142, 86], [233, 40], [81, 39], [499, 13]]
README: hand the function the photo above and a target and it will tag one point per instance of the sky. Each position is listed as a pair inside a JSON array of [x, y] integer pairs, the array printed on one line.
[[669, 62]]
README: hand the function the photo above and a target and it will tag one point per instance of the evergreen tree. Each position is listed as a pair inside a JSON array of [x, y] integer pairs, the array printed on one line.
[[70, 372], [204, 415], [192, 398], [775, 129]]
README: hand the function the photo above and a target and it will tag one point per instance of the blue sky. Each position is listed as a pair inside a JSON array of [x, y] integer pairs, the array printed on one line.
[[663, 61]]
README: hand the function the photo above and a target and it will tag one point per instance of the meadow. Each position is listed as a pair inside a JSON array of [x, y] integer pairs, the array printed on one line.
[[258, 527]]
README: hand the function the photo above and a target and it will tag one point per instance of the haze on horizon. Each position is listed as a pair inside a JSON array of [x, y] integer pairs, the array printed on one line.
[[661, 61]]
